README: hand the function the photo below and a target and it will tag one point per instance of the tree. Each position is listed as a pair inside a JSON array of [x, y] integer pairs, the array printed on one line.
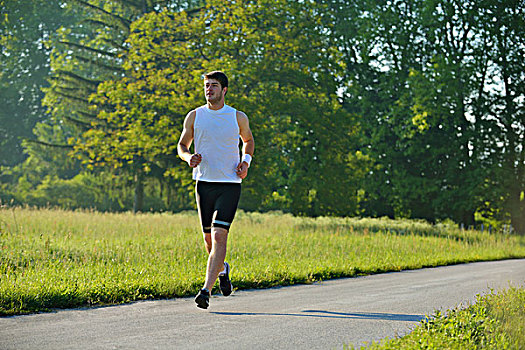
[[89, 53], [501, 109], [418, 74], [281, 65], [25, 27], [441, 98]]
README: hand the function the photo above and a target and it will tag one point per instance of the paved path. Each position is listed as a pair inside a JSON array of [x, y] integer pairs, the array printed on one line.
[[319, 316]]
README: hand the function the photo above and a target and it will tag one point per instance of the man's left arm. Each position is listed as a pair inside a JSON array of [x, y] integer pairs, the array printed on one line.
[[248, 144]]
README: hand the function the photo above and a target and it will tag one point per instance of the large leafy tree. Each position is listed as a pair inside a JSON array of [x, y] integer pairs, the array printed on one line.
[[281, 65], [424, 77], [501, 108], [87, 53], [25, 29], [382, 44], [441, 98], [471, 90]]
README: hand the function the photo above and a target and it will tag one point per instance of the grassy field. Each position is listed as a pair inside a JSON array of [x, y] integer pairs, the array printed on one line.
[[495, 321], [58, 259]]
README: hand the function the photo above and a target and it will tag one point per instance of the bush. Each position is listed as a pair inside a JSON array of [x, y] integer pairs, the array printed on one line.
[[495, 321]]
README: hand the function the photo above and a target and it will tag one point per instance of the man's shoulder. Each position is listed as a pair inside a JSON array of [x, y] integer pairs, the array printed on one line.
[[242, 120], [192, 113], [190, 118], [241, 115]]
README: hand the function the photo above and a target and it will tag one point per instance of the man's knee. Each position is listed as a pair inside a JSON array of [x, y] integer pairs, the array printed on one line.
[[219, 234]]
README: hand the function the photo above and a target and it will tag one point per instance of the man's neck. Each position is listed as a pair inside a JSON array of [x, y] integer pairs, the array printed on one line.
[[216, 106]]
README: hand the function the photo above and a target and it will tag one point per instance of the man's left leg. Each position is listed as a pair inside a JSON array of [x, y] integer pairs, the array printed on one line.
[[217, 255]]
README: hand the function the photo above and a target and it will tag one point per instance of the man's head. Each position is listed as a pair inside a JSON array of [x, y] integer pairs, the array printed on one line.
[[215, 86]]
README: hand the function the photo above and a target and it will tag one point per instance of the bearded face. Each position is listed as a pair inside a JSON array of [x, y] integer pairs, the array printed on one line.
[[213, 91]]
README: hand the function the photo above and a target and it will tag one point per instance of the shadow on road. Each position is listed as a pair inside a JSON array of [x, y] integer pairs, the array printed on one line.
[[332, 314]]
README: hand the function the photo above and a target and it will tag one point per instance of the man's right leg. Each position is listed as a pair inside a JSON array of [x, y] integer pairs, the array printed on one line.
[[216, 246], [205, 203]]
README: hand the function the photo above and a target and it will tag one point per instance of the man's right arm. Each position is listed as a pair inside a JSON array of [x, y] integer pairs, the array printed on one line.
[[186, 138]]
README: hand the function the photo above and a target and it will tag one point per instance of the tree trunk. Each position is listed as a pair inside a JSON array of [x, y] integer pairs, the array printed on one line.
[[467, 218], [138, 202], [517, 211]]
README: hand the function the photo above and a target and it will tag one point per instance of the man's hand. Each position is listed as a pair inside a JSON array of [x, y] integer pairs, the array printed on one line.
[[242, 170], [195, 160]]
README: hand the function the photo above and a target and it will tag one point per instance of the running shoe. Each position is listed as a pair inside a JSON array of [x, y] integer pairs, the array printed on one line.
[[203, 299], [224, 281]]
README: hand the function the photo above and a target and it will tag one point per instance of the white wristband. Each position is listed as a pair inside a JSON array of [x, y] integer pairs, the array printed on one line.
[[247, 158]]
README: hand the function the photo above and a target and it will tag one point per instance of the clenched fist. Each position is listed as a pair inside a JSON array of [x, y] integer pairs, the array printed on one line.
[[195, 160]]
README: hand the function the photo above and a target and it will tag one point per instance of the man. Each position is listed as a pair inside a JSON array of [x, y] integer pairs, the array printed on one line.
[[218, 170]]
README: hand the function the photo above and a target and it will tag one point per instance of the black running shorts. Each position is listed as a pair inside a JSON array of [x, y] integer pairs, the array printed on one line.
[[217, 203]]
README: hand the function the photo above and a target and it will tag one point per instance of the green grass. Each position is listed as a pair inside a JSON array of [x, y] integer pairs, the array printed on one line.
[[59, 259], [495, 321]]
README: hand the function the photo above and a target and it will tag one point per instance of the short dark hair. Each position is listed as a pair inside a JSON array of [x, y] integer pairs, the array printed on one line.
[[219, 76]]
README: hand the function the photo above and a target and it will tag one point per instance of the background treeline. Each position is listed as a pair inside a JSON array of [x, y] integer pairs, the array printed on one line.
[[399, 108]]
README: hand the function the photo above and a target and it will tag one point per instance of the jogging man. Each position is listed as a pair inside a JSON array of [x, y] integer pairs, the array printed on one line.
[[218, 170]]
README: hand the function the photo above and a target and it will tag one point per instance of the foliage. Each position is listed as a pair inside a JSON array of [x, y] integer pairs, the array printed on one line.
[[403, 108], [501, 110], [87, 53], [25, 27], [89, 190], [57, 258], [427, 78], [495, 321], [140, 116]]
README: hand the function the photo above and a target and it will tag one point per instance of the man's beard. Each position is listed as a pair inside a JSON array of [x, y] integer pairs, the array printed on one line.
[[214, 100]]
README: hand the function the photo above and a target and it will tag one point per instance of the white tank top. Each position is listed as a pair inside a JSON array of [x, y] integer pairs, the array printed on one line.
[[216, 138]]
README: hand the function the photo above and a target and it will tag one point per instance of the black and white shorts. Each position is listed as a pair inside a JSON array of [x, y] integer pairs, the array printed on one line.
[[217, 203]]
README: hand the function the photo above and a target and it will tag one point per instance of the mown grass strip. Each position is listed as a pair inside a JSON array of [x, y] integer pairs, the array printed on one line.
[[61, 259], [495, 321]]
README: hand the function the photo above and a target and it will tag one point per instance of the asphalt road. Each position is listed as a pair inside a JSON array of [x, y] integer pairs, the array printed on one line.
[[320, 316]]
